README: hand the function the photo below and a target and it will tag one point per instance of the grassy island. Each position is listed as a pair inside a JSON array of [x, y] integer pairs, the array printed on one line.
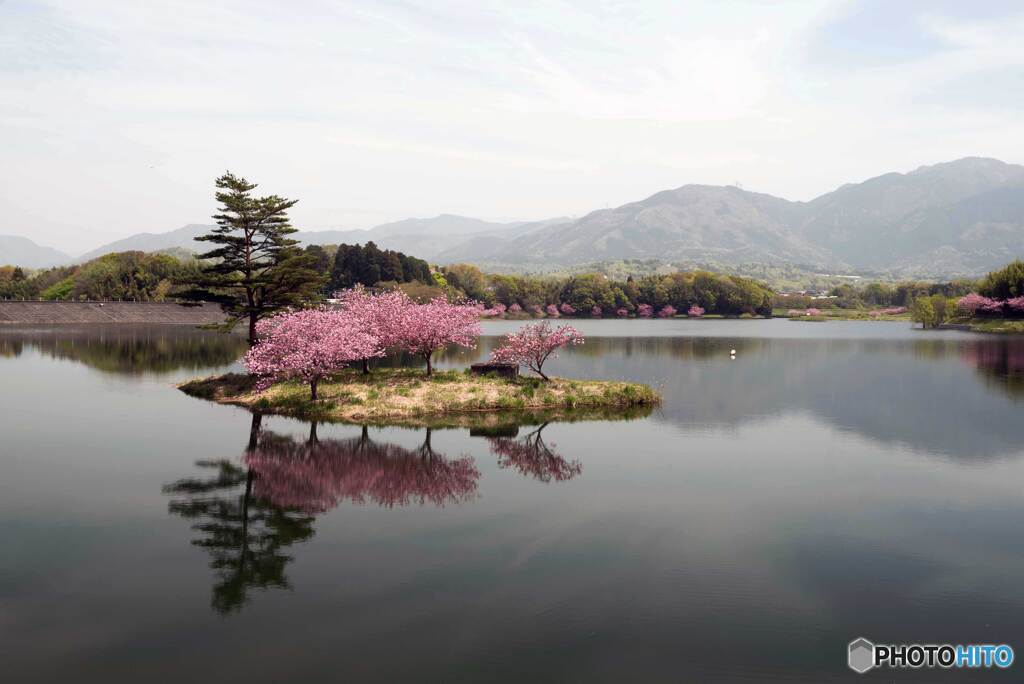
[[407, 396]]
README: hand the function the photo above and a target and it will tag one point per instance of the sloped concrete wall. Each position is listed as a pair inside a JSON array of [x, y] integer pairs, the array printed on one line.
[[51, 313]]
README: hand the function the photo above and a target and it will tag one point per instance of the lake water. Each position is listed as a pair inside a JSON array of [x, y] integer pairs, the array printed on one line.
[[832, 481]]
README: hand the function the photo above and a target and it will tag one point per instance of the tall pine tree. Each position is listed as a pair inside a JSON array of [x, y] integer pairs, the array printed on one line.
[[256, 269]]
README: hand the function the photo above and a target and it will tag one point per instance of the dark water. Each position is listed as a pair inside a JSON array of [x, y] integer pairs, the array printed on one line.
[[834, 480]]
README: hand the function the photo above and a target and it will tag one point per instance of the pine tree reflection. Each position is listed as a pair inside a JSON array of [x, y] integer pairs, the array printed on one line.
[[532, 457], [247, 515], [244, 534]]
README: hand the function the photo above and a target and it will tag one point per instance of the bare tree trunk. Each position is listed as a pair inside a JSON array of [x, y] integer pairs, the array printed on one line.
[[366, 366], [430, 367], [252, 328], [312, 389]]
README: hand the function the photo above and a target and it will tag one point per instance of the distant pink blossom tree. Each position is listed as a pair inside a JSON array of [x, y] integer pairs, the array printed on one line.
[[645, 311], [596, 312], [428, 327], [977, 304], [622, 312], [813, 312], [311, 344], [534, 344], [969, 304], [536, 310], [383, 314], [667, 311], [894, 311], [499, 309], [567, 309], [552, 311], [1015, 305], [795, 312], [695, 311], [515, 308]]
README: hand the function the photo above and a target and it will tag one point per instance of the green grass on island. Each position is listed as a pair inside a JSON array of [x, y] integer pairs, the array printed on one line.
[[406, 396]]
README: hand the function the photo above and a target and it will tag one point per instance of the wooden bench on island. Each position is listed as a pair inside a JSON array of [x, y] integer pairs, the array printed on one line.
[[502, 370]]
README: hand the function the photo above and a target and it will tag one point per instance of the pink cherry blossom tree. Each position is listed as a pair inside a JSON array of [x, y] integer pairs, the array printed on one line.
[[426, 328], [311, 344], [667, 311], [969, 304], [536, 310], [382, 314], [596, 312], [813, 312], [567, 309], [534, 344], [515, 308], [695, 311], [645, 311], [552, 311]]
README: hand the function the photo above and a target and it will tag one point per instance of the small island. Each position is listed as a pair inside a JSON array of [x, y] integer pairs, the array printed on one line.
[[315, 364], [405, 396]]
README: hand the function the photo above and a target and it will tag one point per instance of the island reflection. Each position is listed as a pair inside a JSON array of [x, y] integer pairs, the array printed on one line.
[[248, 512]]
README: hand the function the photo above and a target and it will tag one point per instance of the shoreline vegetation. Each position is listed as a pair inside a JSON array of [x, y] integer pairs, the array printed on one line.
[[405, 396]]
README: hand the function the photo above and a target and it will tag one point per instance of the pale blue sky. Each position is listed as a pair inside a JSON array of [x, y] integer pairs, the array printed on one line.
[[116, 116]]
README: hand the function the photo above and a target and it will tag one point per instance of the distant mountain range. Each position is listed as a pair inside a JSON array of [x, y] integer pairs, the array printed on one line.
[[958, 218], [20, 251]]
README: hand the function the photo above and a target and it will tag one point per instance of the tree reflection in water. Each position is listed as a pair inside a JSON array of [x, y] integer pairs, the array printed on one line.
[[532, 457], [318, 475], [1000, 363], [244, 534], [247, 515]]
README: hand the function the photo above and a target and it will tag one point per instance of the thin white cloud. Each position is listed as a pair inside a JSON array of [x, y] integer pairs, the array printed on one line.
[[371, 111]]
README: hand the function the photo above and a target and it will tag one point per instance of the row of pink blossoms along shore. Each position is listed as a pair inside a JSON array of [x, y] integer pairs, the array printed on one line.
[[314, 344], [559, 310], [976, 304]]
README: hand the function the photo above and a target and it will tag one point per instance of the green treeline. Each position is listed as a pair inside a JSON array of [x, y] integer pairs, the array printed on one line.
[[874, 295], [369, 265], [121, 275], [154, 277], [1006, 283], [716, 293]]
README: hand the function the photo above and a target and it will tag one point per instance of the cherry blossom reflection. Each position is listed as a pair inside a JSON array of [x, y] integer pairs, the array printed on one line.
[[532, 457], [1000, 362], [317, 475]]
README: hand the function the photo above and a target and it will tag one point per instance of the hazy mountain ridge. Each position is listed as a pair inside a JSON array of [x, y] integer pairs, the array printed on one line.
[[955, 218], [20, 251]]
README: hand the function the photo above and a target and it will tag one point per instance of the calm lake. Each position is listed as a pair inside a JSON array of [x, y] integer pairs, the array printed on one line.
[[834, 480]]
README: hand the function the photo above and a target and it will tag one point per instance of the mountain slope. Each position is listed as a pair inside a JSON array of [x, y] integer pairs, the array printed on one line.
[[969, 206], [723, 224], [153, 242], [20, 251], [956, 218]]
